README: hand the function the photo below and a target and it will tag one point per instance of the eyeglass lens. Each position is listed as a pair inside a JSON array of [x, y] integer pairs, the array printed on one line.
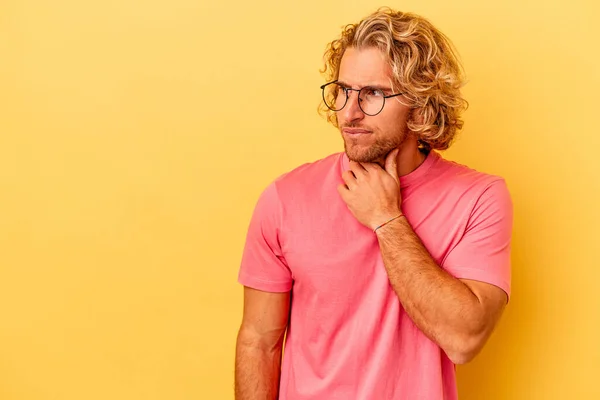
[[371, 100]]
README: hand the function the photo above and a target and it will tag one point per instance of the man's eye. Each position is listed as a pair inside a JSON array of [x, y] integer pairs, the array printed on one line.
[[374, 92]]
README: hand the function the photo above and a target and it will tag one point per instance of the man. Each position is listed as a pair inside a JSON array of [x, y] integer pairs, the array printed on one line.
[[386, 264]]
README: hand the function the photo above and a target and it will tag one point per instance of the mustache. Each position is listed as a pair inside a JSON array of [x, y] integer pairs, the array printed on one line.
[[358, 126]]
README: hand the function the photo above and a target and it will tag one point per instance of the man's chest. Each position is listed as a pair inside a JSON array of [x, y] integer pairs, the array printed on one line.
[[327, 247]]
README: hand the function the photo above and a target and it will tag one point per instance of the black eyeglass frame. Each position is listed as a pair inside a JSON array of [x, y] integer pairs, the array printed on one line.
[[347, 92]]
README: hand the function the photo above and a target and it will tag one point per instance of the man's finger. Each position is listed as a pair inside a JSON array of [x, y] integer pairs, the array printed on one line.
[[391, 164]]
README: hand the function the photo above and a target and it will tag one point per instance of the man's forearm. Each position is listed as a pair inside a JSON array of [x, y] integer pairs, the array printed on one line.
[[443, 307], [257, 371]]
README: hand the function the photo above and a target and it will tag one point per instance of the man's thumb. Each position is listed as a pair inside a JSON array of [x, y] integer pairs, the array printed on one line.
[[391, 164]]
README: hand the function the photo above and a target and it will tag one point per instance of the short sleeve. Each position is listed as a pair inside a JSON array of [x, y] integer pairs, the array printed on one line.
[[483, 253], [263, 266]]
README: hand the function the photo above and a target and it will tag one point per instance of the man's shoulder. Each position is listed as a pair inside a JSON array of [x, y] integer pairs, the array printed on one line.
[[472, 193], [456, 174], [459, 181], [310, 172], [307, 182]]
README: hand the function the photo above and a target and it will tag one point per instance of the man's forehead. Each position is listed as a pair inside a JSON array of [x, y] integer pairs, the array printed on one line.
[[365, 67]]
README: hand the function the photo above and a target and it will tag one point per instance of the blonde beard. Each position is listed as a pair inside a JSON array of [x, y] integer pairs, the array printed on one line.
[[376, 152]]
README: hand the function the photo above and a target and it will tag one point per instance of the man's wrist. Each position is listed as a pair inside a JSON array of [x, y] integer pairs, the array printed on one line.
[[389, 220]]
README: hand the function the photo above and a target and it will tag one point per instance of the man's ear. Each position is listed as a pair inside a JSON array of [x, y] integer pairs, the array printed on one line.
[[416, 116]]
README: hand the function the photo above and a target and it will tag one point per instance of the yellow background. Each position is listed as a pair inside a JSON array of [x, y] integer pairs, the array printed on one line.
[[136, 136]]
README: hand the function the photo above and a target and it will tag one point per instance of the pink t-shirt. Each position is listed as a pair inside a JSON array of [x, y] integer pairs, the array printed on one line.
[[349, 337]]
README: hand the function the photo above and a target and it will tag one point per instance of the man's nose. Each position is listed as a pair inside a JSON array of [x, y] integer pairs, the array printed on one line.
[[352, 111]]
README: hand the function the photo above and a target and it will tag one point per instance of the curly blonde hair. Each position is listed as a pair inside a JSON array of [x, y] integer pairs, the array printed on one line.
[[425, 67]]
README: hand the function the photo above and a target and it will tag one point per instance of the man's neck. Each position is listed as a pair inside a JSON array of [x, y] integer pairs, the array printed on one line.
[[409, 158], [410, 161]]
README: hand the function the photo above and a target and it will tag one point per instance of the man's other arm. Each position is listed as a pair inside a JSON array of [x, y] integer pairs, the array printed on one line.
[[259, 344], [458, 314]]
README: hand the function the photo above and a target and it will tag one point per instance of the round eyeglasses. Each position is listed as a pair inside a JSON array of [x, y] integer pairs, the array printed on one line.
[[370, 100]]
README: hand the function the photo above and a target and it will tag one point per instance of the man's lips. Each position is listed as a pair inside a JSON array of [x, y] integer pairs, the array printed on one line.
[[355, 131]]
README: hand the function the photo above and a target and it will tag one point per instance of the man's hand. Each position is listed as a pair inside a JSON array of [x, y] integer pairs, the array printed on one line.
[[372, 193]]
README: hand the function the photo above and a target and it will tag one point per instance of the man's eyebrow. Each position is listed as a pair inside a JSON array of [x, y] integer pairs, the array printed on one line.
[[380, 87]]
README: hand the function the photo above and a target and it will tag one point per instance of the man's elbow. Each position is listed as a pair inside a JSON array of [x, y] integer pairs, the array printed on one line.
[[462, 356], [467, 347], [267, 341]]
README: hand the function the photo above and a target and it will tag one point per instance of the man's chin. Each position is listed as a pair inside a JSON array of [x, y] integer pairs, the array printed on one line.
[[364, 158], [363, 155]]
